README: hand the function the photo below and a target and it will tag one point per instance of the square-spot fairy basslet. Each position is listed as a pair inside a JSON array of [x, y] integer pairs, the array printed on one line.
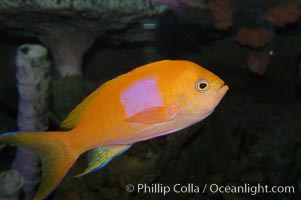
[[150, 101]]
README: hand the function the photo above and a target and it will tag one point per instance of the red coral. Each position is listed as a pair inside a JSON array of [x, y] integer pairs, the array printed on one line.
[[222, 13], [253, 38], [258, 62], [283, 14]]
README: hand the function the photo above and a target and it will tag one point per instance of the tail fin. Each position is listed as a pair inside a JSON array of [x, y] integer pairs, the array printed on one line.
[[55, 152]]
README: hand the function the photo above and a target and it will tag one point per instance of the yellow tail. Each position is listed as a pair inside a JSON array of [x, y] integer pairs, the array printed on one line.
[[55, 151]]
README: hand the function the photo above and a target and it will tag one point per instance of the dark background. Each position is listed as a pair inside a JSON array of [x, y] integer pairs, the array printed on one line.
[[252, 137]]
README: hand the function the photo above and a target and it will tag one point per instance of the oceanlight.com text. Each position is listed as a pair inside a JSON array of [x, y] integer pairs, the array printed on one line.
[[191, 188], [251, 189]]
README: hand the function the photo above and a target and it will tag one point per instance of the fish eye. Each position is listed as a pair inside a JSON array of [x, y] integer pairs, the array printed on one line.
[[202, 85]]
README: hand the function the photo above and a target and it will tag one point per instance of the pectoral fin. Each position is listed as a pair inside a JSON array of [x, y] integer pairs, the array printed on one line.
[[153, 115], [101, 156]]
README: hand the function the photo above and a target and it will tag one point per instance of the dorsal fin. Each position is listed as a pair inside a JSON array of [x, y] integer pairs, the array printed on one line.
[[74, 116]]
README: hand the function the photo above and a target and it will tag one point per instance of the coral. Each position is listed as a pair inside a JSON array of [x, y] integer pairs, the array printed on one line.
[[69, 27], [222, 13], [259, 61], [253, 38], [33, 69], [92, 7], [283, 14]]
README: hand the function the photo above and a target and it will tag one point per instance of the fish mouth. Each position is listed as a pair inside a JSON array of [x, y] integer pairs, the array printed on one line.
[[224, 87]]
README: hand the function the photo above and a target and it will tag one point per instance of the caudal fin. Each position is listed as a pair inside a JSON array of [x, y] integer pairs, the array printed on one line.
[[55, 153]]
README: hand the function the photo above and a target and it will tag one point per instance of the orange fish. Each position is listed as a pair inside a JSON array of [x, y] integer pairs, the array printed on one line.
[[150, 101]]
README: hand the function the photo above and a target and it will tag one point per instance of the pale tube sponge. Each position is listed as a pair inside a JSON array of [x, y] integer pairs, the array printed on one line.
[[33, 77]]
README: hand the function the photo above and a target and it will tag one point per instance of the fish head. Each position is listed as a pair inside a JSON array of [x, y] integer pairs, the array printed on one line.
[[197, 92]]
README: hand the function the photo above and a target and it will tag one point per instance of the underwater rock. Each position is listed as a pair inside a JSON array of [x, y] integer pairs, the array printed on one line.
[[67, 46], [11, 183], [253, 38], [283, 14], [258, 62], [180, 5], [68, 27], [222, 13]]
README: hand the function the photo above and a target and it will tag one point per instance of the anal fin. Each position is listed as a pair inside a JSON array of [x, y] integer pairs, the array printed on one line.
[[101, 156]]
